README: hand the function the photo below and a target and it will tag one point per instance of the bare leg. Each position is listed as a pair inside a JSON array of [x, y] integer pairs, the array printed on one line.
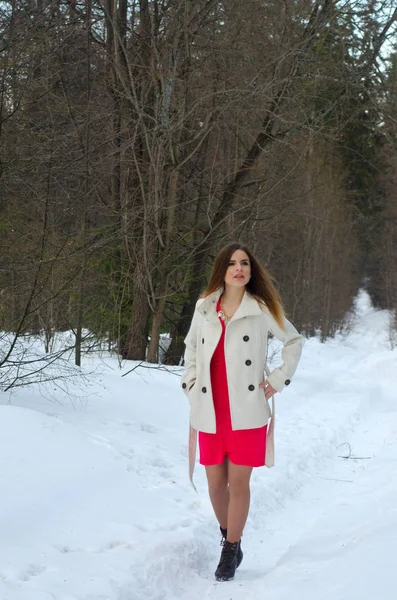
[[219, 491], [239, 503]]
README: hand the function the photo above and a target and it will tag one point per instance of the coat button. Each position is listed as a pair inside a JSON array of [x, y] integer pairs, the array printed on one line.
[[248, 362], [246, 338], [251, 387], [204, 389], [287, 381], [184, 385]]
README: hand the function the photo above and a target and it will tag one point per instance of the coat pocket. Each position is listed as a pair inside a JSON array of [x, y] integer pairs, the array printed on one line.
[[190, 392]]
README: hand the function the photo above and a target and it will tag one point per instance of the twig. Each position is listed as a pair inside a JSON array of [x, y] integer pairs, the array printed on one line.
[[332, 479], [350, 453]]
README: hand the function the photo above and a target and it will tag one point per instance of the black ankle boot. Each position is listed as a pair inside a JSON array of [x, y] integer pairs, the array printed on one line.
[[240, 551], [228, 562]]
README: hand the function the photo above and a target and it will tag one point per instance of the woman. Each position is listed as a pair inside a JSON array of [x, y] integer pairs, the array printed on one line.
[[225, 360]]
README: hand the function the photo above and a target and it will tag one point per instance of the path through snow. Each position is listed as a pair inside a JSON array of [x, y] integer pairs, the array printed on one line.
[[96, 503]]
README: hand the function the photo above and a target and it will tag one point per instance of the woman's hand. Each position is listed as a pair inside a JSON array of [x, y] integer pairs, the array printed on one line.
[[269, 390]]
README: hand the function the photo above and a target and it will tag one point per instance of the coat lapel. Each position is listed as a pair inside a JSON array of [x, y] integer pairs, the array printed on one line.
[[249, 307], [208, 306]]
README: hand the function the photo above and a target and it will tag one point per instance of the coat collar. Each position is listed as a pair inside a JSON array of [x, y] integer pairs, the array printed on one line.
[[249, 307]]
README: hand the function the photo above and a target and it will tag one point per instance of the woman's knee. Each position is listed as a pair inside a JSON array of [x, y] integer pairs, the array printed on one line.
[[217, 480], [217, 487], [239, 487], [239, 480]]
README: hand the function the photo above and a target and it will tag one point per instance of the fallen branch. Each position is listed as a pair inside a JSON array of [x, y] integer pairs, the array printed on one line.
[[350, 454]]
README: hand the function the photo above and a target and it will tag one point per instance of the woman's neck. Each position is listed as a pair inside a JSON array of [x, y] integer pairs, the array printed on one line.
[[233, 295]]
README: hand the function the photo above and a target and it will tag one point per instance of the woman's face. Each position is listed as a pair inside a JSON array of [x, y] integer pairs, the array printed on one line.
[[239, 271]]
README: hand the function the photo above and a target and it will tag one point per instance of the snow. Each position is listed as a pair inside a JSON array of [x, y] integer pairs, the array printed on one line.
[[96, 502]]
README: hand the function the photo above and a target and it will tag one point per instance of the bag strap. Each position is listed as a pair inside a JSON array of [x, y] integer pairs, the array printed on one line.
[[192, 453]]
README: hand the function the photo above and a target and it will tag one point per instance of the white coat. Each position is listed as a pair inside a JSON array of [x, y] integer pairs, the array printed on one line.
[[245, 353]]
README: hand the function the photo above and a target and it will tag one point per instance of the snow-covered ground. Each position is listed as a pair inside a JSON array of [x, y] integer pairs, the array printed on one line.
[[95, 501]]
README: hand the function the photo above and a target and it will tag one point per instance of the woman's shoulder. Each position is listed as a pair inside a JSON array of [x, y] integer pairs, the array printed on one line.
[[266, 315], [199, 303], [261, 303]]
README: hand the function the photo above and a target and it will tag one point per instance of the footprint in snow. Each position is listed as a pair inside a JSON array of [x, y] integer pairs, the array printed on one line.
[[132, 468], [32, 571], [166, 475], [113, 545], [117, 544], [149, 428], [160, 462], [64, 549], [101, 441], [128, 453]]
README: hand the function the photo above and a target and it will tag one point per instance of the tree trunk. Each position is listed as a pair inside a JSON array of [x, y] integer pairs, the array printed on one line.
[[82, 281], [136, 342], [153, 354]]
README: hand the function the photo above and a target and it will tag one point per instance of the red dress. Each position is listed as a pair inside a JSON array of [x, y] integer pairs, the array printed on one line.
[[242, 446]]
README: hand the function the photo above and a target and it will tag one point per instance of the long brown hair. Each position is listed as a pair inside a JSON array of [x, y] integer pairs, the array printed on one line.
[[260, 286]]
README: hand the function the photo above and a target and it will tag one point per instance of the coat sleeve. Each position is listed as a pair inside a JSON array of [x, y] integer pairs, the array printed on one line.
[[189, 373], [291, 352]]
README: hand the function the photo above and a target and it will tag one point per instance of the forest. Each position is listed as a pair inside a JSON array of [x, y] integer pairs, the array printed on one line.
[[138, 137]]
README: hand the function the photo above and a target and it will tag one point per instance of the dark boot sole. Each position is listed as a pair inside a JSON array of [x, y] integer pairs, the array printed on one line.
[[224, 578]]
